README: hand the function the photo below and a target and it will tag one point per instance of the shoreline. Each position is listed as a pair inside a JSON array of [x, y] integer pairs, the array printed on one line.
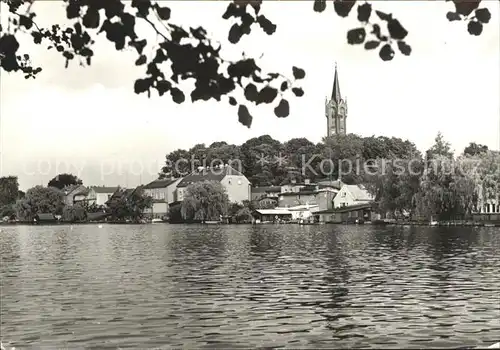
[[381, 223]]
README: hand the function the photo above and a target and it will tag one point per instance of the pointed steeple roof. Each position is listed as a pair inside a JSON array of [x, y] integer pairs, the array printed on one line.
[[336, 87]]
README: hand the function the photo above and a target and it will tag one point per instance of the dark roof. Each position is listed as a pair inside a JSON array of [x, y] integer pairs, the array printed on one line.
[[298, 193], [213, 174], [346, 209], [75, 189], [45, 217], [329, 183], [159, 183], [96, 216], [336, 87], [122, 192], [266, 189], [104, 189]]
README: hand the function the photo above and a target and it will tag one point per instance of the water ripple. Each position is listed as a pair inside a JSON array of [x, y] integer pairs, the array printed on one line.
[[242, 286]]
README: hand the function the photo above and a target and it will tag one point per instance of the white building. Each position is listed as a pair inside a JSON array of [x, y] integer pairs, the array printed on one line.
[[99, 195]]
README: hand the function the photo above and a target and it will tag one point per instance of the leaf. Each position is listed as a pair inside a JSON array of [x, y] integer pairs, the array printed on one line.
[[73, 10], [372, 44], [235, 34], [163, 86], [284, 86], [232, 101], [364, 12], [282, 110], [141, 85], [141, 60], [267, 26], [91, 18], [251, 93], [386, 53], [383, 16], [343, 7], [483, 15], [453, 16], [465, 8], [298, 92], [267, 95], [163, 13], [298, 73], [396, 30], [319, 5], [139, 45], [177, 95], [404, 48], [475, 28], [25, 21], [244, 116], [356, 36]]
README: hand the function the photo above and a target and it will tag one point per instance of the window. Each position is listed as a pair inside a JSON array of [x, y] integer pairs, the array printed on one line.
[[239, 182], [342, 195], [229, 181]]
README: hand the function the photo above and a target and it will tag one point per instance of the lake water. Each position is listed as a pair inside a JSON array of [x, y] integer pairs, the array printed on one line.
[[329, 286]]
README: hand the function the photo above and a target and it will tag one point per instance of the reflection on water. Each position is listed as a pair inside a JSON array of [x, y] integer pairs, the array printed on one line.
[[243, 286]]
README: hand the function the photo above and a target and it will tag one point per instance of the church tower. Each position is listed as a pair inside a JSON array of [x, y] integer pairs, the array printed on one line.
[[336, 110]]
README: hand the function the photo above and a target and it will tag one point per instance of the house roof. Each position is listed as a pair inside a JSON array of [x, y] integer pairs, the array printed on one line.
[[346, 209], [303, 207], [265, 189], [359, 193], [123, 192], [277, 211], [298, 193], [104, 189], [75, 189], [159, 183], [329, 183], [45, 217], [212, 174]]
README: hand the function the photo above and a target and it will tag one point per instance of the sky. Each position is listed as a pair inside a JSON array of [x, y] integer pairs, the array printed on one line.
[[88, 121]]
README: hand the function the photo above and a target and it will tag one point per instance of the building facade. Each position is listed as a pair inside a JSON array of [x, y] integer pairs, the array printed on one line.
[[163, 193], [237, 186], [99, 195], [336, 110]]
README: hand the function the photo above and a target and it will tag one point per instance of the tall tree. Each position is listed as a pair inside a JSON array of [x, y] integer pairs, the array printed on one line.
[[40, 200], [474, 149], [395, 183], [190, 53], [129, 205], [9, 190], [205, 201], [345, 153], [440, 148], [446, 192], [62, 180]]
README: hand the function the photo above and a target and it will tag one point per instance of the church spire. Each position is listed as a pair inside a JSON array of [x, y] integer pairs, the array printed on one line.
[[336, 87]]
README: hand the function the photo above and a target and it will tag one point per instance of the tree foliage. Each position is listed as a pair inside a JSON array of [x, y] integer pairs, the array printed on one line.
[[74, 213], [129, 205], [266, 161], [9, 190], [474, 149], [40, 200], [446, 192], [204, 201], [62, 180], [189, 53]]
